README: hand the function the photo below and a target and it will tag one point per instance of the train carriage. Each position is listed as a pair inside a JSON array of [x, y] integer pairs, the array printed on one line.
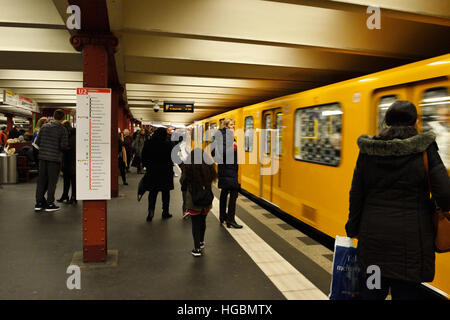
[[303, 160]]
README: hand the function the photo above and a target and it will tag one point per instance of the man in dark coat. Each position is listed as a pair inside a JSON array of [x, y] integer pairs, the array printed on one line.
[[390, 209], [224, 151], [156, 157], [52, 140]]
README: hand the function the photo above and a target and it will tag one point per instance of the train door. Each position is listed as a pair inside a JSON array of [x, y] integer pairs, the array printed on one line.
[[270, 152], [383, 99]]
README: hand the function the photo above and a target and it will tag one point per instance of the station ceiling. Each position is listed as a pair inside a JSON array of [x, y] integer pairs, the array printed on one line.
[[220, 54]]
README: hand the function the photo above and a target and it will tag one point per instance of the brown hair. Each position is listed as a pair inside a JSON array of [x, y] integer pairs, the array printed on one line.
[[58, 114], [199, 174]]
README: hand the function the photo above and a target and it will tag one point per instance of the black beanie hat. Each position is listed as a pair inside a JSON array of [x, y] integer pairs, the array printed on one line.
[[401, 113]]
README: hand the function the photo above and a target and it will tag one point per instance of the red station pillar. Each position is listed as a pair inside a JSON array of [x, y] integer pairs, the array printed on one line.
[[9, 122], [95, 49]]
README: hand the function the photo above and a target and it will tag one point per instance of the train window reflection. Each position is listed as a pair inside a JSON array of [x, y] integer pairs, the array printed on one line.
[[267, 132], [318, 134], [435, 106], [383, 106], [279, 132], [207, 132], [248, 134]]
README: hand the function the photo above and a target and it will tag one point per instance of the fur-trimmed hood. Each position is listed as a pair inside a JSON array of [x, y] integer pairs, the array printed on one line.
[[396, 147]]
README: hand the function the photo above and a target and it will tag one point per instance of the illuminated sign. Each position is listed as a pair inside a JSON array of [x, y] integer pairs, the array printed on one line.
[[178, 106]]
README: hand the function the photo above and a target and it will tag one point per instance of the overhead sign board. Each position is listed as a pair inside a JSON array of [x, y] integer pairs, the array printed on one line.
[[178, 106], [15, 100], [93, 155]]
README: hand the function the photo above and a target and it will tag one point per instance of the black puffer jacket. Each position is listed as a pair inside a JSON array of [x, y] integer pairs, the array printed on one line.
[[390, 210], [225, 154], [52, 140]]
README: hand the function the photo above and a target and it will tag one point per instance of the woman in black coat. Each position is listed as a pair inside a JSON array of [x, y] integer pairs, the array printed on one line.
[[156, 157], [390, 208], [224, 146], [68, 166]]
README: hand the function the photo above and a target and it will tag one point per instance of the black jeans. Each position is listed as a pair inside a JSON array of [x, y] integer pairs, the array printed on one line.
[[122, 170], [224, 215], [68, 180], [47, 180], [400, 290], [183, 193], [152, 195], [198, 229]]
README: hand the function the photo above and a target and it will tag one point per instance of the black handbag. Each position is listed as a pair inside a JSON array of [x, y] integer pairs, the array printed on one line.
[[202, 196], [141, 189]]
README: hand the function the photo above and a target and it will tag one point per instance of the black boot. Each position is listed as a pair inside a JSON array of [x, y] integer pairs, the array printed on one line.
[[234, 225], [150, 215], [63, 198], [166, 215], [72, 200]]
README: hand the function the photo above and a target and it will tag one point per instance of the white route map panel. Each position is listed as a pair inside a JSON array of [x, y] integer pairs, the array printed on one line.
[[93, 158]]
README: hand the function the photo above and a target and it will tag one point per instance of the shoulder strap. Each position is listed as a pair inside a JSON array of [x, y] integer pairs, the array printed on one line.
[[425, 161]]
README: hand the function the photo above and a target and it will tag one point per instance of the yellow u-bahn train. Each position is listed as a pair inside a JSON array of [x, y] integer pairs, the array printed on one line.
[[313, 140]]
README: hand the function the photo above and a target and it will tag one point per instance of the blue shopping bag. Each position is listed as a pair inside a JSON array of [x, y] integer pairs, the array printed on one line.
[[345, 281]]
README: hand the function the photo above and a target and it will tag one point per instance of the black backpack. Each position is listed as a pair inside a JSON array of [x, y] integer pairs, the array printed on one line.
[[202, 196]]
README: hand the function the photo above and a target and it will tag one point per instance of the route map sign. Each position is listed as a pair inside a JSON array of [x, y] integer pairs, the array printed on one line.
[[93, 157]]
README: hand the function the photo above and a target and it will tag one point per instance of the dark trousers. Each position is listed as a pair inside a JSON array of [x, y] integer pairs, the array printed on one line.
[[69, 179], [400, 290], [152, 195], [122, 170], [128, 160], [198, 229], [224, 215], [183, 193], [47, 180]]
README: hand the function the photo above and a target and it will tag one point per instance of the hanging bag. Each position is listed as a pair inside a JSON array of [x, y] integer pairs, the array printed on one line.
[[345, 280], [202, 196], [441, 219]]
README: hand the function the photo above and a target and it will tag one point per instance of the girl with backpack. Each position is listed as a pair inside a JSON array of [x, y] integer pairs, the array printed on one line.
[[198, 174]]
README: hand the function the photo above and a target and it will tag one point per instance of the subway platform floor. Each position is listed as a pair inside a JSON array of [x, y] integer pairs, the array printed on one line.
[[266, 260]]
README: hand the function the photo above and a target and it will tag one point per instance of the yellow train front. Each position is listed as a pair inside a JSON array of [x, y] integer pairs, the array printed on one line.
[[303, 161]]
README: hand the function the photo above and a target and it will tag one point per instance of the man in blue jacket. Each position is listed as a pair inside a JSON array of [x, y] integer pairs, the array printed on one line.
[[51, 141]]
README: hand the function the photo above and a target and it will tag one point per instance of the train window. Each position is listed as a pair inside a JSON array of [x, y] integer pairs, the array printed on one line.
[[248, 143], [318, 134], [435, 107], [279, 132], [267, 132], [200, 133], [207, 132], [383, 105]]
